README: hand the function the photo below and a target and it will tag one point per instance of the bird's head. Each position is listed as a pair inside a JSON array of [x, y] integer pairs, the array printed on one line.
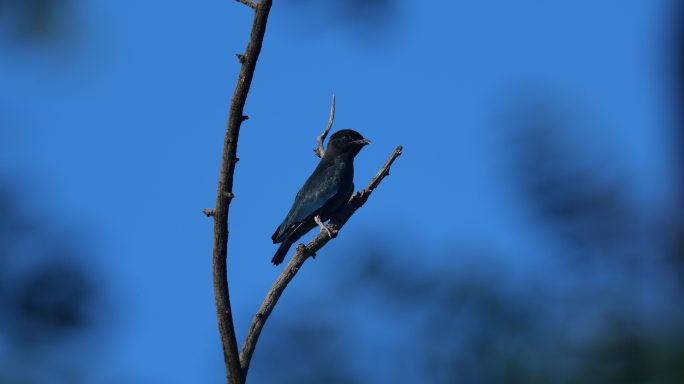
[[346, 141]]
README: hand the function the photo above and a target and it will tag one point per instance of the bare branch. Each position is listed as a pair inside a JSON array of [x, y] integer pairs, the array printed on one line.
[[208, 212], [319, 151], [384, 172], [248, 3], [224, 195], [303, 252]]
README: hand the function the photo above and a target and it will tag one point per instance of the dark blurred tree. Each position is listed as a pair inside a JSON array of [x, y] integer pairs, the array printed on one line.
[[369, 19], [461, 323], [576, 189], [47, 298], [616, 258], [678, 73], [355, 12], [32, 20], [584, 319]]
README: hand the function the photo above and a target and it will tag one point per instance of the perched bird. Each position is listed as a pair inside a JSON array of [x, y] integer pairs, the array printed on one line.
[[327, 189]]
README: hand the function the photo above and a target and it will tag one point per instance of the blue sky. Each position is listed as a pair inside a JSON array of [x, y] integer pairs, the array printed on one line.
[[117, 132]]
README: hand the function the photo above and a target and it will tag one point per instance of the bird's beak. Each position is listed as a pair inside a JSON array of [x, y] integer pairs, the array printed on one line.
[[362, 142]]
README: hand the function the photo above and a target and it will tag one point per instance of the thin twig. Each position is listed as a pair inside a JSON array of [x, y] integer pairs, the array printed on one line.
[[224, 195], [303, 252], [319, 151], [248, 3]]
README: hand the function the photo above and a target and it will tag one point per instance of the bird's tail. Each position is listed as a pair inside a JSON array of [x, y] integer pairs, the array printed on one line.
[[294, 233], [282, 251]]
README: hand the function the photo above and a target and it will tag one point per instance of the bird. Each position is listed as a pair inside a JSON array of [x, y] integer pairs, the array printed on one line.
[[326, 191]]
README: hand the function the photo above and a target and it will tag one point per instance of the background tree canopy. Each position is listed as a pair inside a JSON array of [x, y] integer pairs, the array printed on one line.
[[531, 233]]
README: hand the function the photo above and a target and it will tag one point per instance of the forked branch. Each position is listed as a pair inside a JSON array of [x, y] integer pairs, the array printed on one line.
[[237, 365], [248, 3], [304, 252], [319, 151]]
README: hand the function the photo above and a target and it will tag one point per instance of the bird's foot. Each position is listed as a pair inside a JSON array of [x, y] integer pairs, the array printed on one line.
[[322, 226]]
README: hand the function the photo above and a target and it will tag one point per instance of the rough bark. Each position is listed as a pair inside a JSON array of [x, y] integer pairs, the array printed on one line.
[[224, 196]]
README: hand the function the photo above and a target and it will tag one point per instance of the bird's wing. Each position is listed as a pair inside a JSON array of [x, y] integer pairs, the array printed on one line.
[[320, 187]]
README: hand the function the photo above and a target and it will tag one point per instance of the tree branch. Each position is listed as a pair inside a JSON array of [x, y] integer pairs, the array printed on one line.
[[224, 195], [319, 151], [248, 3], [303, 252]]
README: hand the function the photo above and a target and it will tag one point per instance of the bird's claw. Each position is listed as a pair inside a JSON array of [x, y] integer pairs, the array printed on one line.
[[323, 227]]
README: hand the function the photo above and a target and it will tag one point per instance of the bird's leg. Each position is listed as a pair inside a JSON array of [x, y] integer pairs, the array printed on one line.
[[322, 226]]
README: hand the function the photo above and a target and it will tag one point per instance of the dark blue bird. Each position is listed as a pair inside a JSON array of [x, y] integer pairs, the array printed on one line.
[[327, 189]]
